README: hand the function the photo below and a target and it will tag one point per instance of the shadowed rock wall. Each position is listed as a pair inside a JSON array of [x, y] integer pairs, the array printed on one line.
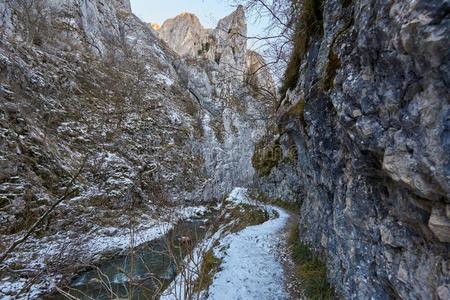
[[369, 118]]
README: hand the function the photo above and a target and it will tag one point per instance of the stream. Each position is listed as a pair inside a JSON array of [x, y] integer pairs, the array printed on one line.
[[249, 267], [143, 274]]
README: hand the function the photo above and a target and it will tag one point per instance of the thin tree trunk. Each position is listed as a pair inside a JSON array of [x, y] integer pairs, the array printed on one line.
[[67, 193]]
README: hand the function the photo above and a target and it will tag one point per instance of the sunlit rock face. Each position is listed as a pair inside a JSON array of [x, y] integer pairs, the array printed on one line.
[[226, 44], [257, 74], [184, 34], [220, 72], [369, 122], [155, 26]]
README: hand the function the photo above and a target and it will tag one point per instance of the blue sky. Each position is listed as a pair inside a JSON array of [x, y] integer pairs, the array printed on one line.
[[209, 11]]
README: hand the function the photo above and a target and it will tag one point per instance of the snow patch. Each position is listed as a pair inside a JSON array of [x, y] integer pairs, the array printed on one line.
[[122, 241], [240, 196], [164, 79], [250, 268]]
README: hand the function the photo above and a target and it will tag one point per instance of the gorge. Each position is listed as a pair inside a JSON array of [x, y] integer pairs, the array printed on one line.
[[115, 131]]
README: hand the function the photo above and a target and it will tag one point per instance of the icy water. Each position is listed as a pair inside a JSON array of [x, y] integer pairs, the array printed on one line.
[[145, 273]]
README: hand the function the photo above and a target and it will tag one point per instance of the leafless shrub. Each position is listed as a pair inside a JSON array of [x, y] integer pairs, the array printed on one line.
[[31, 17], [276, 40]]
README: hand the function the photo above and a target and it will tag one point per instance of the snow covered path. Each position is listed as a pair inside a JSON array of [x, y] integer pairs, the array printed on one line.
[[250, 268]]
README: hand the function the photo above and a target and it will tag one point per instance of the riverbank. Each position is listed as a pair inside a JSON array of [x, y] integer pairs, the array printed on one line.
[[45, 263]]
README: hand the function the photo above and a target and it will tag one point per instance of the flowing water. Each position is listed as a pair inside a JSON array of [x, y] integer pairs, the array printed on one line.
[[142, 274]]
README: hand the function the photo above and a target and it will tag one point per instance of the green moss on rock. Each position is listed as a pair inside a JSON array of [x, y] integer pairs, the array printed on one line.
[[266, 156], [298, 111]]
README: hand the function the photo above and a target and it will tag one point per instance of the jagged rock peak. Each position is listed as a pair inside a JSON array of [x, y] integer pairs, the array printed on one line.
[[226, 45], [188, 15], [183, 33], [236, 20], [183, 19], [186, 35], [230, 35], [257, 74]]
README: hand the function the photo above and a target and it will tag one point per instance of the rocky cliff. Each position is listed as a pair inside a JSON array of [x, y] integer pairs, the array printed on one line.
[[98, 110], [363, 145], [226, 45], [215, 64]]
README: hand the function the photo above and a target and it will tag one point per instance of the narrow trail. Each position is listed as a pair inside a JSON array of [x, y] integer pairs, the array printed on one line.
[[251, 267]]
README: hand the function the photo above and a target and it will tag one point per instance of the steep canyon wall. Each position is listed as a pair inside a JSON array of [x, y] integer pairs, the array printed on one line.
[[368, 118]]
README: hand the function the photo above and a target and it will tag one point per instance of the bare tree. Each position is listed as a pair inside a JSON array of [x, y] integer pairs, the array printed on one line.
[[67, 193], [275, 42]]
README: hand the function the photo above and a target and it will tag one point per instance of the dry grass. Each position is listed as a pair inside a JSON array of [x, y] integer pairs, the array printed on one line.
[[210, 266], [311, 271], [246, 215], [309, 23], [289, 206], [298, 111]]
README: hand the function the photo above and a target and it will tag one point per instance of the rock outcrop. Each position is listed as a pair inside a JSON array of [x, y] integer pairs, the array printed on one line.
[[257, 75], [232, 84], [364, 143], [86, 87], [185, 35], [226, 45]]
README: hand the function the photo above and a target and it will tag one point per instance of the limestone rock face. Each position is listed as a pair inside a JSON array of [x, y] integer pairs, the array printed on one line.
[[257, 74], [226, 79], [184, 34], [89, 88], [83, 91], [226, 45], [123, 5], [231, 38], [369, 122]]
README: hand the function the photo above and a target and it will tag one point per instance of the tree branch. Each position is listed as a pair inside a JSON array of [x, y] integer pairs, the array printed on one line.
[[68, 191]]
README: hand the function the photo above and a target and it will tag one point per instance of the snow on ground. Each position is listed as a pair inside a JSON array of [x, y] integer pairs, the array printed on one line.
[[250, 268], [177, 290], [120, 238], [240, 195], [91, 247]]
